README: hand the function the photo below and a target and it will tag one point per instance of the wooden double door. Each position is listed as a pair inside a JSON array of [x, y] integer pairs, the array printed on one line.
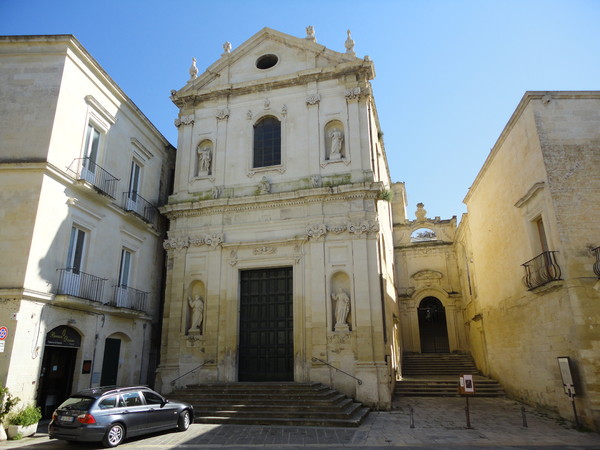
[[266, 335]]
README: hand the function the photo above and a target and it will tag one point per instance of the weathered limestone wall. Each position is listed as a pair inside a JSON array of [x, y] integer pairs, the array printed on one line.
[[549, 152]]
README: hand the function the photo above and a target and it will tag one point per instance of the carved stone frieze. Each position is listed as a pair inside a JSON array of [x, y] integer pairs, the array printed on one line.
[[339, 338], [176, 243], [337, 229], [184, 120], [265, 250], [181, 242], [313, 99], [352, 94], [319, 230], [223, 114], [214, 240], [233, 259], [315, 231]]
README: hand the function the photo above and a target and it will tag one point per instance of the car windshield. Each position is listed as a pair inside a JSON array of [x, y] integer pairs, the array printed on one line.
[[79, 403]]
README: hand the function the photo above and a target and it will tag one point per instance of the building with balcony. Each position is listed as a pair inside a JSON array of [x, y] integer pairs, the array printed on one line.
[[82, 172], [527, 254]]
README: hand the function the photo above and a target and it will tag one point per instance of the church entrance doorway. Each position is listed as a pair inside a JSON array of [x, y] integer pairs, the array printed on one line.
[[433, 330], [266, 337], [58, 366]]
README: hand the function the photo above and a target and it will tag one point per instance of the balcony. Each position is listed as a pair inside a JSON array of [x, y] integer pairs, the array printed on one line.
[[80, 284], [596, 252], [135, 203], [89, 171], [541, 270], [128, 297]]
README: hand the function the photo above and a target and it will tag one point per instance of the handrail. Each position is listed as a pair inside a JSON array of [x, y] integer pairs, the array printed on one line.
[[339, 370], [209, 361]]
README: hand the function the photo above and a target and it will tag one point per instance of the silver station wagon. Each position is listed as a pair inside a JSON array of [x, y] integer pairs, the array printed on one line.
[[110, 414]]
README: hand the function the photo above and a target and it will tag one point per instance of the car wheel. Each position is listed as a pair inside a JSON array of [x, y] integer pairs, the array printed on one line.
[[114, 436], [183, 423]]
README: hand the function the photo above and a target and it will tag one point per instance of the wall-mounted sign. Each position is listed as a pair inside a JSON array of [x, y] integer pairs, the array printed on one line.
[[565, 373], [3, 333], [63, 336], [87, 366]]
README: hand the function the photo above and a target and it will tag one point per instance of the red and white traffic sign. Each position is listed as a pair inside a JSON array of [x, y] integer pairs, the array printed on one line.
[[3, 333]]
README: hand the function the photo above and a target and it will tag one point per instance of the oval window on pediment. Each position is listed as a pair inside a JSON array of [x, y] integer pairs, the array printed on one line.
[[266, 61], [423, 234]]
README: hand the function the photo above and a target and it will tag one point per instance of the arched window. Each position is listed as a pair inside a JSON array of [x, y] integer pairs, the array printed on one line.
[[267, 142]]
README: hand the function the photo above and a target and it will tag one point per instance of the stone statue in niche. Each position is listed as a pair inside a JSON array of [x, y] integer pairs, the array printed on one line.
[[264, 187], [197, 313], [204, 160], [342, 308], [337, 140]]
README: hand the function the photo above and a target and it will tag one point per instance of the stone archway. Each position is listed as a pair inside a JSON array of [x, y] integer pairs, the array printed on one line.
[[433, 329]]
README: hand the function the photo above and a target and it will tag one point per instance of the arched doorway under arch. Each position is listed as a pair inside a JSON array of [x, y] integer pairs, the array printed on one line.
[[433, 331]]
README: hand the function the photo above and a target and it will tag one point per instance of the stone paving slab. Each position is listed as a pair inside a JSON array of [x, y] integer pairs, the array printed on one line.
[[439, 423]]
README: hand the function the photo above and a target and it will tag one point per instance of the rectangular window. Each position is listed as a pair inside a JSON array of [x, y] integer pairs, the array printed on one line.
[[90, 152], [76, 250], [124, 268], [541, 232], [267, 143]]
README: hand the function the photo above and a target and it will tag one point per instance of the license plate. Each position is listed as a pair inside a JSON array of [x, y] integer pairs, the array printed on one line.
[[66, 418]]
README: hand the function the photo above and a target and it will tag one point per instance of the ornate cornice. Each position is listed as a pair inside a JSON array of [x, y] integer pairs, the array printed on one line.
[[363, 69], [267, 201]]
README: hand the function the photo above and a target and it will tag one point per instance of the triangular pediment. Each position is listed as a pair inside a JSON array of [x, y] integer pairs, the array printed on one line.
[[293, 56]]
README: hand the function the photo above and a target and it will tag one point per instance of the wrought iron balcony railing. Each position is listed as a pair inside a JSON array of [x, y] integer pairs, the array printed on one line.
[[128, 297], [541, 270], [596, 252], [80, 284], [103, 181], [134, 202]]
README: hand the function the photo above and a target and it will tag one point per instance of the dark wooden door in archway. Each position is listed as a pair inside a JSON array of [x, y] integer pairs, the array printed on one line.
[[433, 330], [266, 345]]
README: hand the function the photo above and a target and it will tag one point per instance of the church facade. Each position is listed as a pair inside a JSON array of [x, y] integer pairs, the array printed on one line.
[[281, 229]]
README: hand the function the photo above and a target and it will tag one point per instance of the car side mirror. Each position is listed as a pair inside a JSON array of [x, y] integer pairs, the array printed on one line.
[[165, 401]]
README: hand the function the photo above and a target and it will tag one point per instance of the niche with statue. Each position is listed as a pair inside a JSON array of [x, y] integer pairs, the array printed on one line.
[[194, 305], [334, 141], [340, 302], [204, 158]]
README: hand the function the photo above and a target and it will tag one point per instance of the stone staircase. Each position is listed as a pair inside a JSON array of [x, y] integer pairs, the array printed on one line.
[[299, 404], [437, 374]]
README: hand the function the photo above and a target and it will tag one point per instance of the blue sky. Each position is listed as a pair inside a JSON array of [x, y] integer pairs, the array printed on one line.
[[449, 73]]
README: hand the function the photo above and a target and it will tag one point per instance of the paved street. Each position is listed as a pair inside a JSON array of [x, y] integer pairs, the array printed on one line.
[[438, 423]]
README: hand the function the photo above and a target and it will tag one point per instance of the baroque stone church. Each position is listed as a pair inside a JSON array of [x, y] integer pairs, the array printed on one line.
[[280, 248]]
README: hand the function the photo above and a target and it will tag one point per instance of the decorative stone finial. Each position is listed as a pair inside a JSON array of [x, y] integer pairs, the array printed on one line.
[[310, 34], [350, 45], [420, 212], [193, 69], [226, 48]]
